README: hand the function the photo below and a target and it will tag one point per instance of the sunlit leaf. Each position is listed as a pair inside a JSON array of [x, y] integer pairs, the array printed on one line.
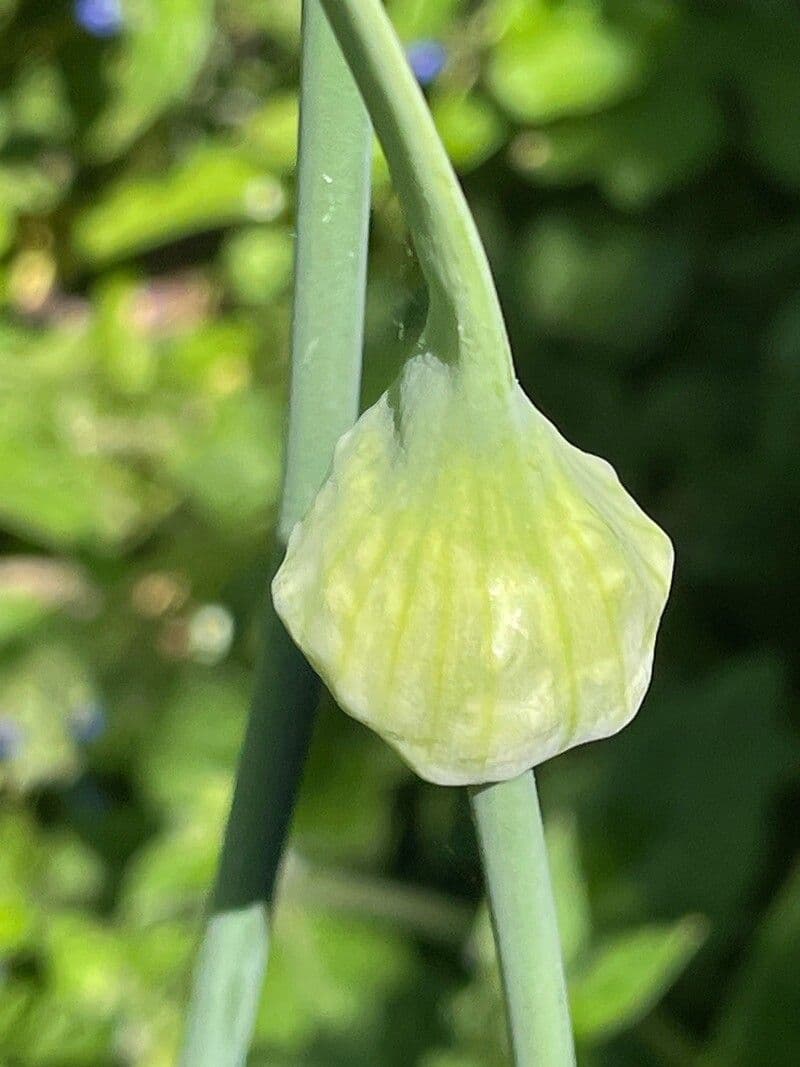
[[258, 263], [214, 187], [562, 59], [628, 975], [162, 53], [469, 127]]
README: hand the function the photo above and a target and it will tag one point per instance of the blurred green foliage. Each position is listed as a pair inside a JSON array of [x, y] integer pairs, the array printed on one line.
[[634, 166]]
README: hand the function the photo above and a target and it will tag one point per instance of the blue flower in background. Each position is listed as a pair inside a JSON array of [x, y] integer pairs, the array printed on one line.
[[427, 59], [11, 739], [88, 722], [101, 18]]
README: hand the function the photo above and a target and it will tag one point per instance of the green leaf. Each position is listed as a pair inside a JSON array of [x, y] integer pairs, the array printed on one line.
[[696, 740], [414, 19], [39, 107], [74, 874], [17, 918], [214, 361], [275, 17], [214, 186], [628, 975], [271, 132], [257, 263], [562, 59], [161, 56], [61, 483], [52, 1031], [128, 355], [40, 871], [569, 887], [229, 462], [87, 963], [469, 126], [20, 612], [761, 1020], [21, 865], [190, 761], [27, 187], [623, 150], [57, 497], [170, 877], [326, 975]]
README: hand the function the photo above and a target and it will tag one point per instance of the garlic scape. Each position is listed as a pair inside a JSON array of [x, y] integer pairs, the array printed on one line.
[[471, 586], [476, 589]]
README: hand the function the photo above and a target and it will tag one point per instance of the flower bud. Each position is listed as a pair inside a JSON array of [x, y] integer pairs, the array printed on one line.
[[476, 589]]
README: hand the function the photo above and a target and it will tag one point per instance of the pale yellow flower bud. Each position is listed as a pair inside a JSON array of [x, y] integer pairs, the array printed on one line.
[[473, 587]]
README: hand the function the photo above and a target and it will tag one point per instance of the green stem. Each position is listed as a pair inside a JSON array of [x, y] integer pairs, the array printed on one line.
[[512, 845], [332, 219], [331, 264], [465, 314], [465, 317]]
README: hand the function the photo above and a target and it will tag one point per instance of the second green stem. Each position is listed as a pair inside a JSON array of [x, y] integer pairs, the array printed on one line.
[[511, 840], [465, 316], [332, 218]]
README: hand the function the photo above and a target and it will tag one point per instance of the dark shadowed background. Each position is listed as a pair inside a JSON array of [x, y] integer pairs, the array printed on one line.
[[634, 166]]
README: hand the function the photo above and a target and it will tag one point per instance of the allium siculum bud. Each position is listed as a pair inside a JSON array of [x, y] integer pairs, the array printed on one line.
[[476, 589]]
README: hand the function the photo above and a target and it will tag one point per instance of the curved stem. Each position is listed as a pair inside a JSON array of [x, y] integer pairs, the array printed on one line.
[[465, 312], [465, 317], [333, 213], [512, 845]]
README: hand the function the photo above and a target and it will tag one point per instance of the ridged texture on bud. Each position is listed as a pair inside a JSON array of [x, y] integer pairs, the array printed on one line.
[[477, 590]]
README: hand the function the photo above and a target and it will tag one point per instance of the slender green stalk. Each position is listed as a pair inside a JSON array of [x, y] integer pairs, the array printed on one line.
[[333, 212], [465, 314], [465, 318], [331, 264], [511, 840]]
